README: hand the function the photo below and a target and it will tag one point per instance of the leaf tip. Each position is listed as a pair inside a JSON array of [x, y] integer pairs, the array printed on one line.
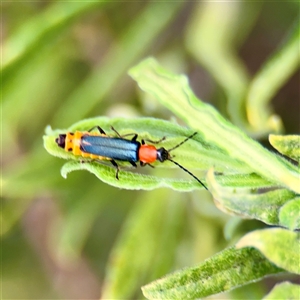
[[48, 130], [135, 70]]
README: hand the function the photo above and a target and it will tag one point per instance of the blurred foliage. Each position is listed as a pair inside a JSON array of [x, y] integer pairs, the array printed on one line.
[[65, 61]]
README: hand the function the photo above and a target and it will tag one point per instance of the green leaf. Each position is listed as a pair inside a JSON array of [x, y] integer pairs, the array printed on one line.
[[247, 202], [289, 214], [245, 181], [129, 180], [224, 271], [288, 145], [135, 259], [273, 74], [280, 246], [284, 290], [174, 92]]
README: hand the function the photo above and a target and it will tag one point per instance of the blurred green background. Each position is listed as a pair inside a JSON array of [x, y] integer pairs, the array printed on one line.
[[65, 61]]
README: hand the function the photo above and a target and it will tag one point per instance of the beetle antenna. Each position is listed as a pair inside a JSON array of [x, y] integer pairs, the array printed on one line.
[[178, 145], [187, 171]]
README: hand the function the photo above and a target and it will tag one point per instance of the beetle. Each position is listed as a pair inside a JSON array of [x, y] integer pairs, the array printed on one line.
[[99, 146]]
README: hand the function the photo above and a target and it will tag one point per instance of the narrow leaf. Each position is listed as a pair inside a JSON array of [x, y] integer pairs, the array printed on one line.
[[248, 202], [245, 181], [129, 180], [280, 246], [224, 271], [288, 145], [289, 214]]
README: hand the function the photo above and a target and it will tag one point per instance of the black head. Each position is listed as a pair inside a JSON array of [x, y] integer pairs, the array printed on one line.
[[162, 154], [61, 140]]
